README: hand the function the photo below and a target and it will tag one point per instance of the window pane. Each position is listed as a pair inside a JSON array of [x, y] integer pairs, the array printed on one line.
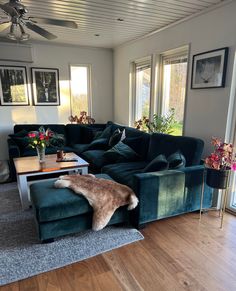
[[143, 84], [79, 89], [174, 88], [233, 193]]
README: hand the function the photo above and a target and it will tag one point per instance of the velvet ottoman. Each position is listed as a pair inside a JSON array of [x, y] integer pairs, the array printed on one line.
[[61, 212]]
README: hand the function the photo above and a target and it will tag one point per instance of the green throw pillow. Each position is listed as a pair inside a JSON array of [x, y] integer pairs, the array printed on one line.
[[176, 160], [20, 138], [160, 163], [118, 135], [121, 153]]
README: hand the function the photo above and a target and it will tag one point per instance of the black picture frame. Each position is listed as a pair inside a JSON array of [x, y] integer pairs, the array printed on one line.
[[209, 69], [45, 86], [13, 86]]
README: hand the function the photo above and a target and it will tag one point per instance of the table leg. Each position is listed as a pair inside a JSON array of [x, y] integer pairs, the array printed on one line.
[[202, 194], [224, 205], [84, 170], [23, 191]]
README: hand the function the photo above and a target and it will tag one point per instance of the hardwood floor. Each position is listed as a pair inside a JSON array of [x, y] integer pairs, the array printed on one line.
[[177, 254]]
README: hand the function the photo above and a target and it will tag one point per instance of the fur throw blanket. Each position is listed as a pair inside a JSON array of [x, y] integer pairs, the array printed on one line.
[[105, 196]]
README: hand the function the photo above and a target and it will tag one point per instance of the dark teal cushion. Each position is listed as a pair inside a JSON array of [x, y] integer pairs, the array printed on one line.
[[123, 172], [52, 204], [116, 137], [121, 153], [21, 133], [106, 133], [160, 163], [139, 144], [176, 160], [95, 158], [80, 148], [99, 144], [21, 139]]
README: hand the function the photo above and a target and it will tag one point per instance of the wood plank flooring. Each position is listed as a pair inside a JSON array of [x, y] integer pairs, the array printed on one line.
[[177, 254]]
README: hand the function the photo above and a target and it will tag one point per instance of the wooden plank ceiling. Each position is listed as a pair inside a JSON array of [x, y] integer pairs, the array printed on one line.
[[108, 23]]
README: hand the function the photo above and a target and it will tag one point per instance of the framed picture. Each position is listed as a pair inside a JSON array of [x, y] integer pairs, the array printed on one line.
[[45, 86], [13, 86], [209, 69]]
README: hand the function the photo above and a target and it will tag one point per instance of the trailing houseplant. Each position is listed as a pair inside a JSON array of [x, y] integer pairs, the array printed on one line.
[[219, 164], [161, 123]]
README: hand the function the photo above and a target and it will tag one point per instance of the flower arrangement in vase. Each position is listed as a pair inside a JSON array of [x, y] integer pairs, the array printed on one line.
[[42, 138], [220, 163]]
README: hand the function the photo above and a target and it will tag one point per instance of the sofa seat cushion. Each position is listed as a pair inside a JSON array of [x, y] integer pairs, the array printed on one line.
[[79, 148], [51, 203], [95, 158], [123, 172]]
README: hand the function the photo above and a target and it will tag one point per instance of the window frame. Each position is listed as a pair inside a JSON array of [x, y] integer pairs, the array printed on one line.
[[89, 85], [178, 52]]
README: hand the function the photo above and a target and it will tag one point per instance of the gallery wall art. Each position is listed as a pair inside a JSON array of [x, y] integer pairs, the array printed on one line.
[[13, 86], [209, 69]]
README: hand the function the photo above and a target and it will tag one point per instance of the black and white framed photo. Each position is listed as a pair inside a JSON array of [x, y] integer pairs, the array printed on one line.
[[209, 69], [13, 86], [45, 86]]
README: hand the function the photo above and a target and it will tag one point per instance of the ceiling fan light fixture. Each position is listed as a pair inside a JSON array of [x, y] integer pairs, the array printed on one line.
[[11, 35], [24, 37]]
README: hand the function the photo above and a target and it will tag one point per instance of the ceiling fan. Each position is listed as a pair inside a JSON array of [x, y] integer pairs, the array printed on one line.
[[16, 18]]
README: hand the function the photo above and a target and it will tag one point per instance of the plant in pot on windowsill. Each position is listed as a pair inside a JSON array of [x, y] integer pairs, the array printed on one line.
[[42, 138], [161, 123], [219, 164]]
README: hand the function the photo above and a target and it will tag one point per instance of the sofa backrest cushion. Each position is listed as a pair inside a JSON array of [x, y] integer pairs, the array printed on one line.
[[190, 147], [160, 163], [82, 134]]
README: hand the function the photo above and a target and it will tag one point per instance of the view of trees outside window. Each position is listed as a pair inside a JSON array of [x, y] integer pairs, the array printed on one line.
[[79, 89], [174, 89], [143, 84]]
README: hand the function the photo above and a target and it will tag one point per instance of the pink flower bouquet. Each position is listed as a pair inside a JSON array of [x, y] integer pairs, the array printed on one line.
[[223, 157]]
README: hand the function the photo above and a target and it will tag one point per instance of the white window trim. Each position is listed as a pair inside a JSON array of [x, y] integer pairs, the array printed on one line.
[[159, 93], [230, 135], [132, 87], [89, 84]]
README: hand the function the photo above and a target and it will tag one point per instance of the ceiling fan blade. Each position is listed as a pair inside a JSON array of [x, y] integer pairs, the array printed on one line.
[[40, 31], [9, 10], [64, 23], [4, 26]]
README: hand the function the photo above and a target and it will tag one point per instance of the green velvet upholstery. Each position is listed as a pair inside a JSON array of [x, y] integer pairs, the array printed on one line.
[[96, 160], [124, 172], [169, 193], [60, 212]]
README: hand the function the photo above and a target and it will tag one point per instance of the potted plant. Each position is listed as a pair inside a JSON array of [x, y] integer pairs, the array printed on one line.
[[160, 123], [42, 138], [219, 164]]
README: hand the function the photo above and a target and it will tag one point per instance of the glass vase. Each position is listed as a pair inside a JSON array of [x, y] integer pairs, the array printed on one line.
[[41, 154]]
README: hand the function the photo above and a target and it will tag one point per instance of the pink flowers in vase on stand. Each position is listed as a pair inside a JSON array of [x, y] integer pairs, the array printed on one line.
[[223, 157]]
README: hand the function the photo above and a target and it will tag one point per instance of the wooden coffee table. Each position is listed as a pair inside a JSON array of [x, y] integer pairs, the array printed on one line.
[[29, 169]]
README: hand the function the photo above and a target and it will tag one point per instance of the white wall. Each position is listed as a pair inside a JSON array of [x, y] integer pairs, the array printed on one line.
[[206, 109], [54, 56]]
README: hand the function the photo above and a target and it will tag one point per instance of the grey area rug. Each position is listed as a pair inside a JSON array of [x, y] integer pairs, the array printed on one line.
[[21, 254]]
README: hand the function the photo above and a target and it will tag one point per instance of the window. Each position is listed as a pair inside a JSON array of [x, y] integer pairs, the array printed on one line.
[[80, 89], [142, 89], [174, 79]]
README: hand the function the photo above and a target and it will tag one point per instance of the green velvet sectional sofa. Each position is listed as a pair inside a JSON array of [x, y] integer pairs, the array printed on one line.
[[163, 193]]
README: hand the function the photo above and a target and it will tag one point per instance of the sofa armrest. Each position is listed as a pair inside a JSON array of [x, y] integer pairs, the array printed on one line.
[[168, 193], [13, 149]]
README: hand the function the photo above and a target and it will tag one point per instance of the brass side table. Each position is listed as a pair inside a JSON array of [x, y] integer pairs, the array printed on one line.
[[223, 197]]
